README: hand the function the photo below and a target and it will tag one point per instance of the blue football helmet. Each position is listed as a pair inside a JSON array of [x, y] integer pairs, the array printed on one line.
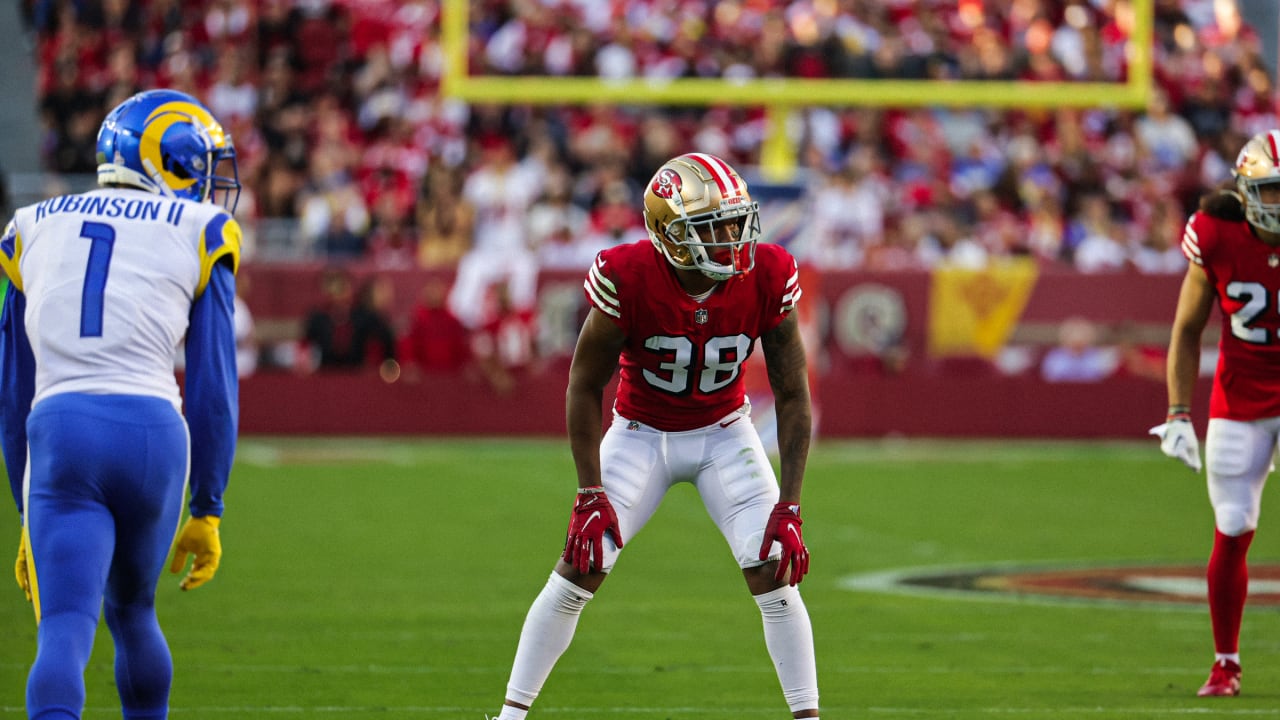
[[168, 143]]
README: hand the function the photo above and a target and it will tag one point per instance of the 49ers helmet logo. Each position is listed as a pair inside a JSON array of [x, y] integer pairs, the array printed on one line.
[[667, 184]]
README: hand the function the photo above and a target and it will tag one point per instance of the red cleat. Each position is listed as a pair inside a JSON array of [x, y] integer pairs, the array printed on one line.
[[1224, 680]]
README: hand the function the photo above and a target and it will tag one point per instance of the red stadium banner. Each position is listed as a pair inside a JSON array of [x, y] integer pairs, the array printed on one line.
[[868, 334]]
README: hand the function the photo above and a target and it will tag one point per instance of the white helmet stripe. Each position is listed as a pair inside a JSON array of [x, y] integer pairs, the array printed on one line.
[[721, 171]]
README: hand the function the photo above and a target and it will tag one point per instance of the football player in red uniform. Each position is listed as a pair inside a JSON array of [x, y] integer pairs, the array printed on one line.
[[1233, 245], [679, 316]]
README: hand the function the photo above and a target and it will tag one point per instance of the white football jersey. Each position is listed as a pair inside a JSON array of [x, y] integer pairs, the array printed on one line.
[[109, 278]]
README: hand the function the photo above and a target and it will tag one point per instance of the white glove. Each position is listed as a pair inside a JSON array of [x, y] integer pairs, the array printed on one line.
[[1178, 440]]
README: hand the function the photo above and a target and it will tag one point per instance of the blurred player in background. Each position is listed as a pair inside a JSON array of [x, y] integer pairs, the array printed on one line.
[[680, 315], [104, 287], [1233, 244]]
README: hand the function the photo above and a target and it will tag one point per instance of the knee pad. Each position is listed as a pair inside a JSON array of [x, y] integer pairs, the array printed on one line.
[[1233, 520]]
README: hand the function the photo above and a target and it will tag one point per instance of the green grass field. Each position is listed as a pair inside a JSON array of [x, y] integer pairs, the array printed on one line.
[[389, 579]]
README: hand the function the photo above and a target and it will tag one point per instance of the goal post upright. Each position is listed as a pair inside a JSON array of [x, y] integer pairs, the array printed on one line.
[[781, 96]]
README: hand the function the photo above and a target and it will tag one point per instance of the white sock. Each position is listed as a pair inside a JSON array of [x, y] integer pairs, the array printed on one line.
[[547, 631], [789, 637], [511, 713], [1233, 657]]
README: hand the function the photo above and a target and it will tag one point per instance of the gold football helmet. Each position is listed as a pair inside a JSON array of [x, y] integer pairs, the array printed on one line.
[[1258, 164], [700, 216]]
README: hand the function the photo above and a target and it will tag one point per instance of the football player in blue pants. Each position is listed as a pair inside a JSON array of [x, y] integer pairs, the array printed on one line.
[[103, 287]]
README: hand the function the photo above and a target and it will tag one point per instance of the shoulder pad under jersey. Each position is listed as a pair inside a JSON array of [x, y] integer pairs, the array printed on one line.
[[219, 238], [11, 252]]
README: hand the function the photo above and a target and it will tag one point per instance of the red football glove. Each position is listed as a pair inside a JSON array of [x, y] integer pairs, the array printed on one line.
[[591, 518], [784, 526]]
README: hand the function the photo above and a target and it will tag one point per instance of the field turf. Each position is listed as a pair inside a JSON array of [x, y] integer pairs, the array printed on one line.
[[376, 578]]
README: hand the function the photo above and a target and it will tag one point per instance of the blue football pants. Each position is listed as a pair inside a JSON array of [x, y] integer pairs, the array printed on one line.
[[104, 497]]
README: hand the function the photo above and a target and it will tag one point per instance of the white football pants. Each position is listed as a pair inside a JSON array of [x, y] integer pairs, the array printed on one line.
[[1238, 458], [725, 461]]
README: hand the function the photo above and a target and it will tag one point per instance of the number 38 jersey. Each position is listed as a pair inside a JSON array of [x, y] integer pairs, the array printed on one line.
[[681, 366], [109, 278], [1245, 274]]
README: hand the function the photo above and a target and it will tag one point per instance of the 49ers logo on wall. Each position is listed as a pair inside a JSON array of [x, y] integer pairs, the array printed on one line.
[[667, 184]]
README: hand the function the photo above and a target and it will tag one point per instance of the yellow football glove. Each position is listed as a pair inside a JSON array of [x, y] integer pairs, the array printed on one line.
[[21, 570], [199, 537]]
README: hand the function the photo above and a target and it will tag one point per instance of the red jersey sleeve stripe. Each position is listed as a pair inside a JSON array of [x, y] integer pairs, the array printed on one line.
[[602, 292], [791, 293], [1191, 245]]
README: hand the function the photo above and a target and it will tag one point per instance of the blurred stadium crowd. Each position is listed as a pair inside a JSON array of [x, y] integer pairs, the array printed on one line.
[[335, 110]]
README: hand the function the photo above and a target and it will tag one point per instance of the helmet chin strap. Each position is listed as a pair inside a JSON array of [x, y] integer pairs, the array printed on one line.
[[113, 174], [157, 178], [695, 263], [684, 220]]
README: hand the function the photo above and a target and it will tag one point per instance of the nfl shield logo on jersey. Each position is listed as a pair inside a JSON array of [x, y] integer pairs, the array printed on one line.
[[700, 316]]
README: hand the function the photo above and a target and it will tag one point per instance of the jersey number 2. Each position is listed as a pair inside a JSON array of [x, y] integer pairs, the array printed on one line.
[[102, 238]]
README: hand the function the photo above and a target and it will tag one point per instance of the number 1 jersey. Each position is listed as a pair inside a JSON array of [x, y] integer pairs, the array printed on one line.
[[681, 367], [110, 277], [1245, 275]]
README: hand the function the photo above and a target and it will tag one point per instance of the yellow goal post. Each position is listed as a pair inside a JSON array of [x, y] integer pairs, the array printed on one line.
[[779, 96]]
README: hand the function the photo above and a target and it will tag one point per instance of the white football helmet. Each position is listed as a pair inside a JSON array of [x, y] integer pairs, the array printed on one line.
[[1258, 164], [700, 216]]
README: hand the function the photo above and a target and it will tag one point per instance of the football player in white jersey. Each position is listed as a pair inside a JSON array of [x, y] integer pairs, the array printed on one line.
[[103, 288], [679, 315]]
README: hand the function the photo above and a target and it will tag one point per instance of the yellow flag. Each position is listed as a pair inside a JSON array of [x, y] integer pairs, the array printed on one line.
[[974, 311]]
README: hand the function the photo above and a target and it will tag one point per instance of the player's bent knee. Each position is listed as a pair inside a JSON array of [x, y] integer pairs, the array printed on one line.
[[568, 595], [760, 578], [1233, 520]]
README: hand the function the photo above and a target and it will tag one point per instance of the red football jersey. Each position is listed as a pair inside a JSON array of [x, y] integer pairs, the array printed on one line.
[[1245, 274], [681, 367]]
